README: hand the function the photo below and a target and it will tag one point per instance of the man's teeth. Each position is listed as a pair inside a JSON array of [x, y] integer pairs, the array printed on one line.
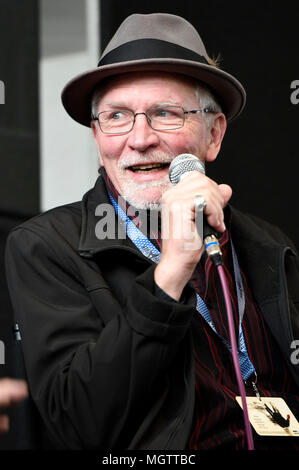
[[149, 167]]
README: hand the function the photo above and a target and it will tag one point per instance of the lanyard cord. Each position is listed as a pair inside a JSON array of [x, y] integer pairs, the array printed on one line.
[[240, 357], [150, 251]]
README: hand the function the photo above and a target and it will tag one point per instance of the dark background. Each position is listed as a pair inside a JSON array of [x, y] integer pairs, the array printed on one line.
[[19, 142], [257, 42]]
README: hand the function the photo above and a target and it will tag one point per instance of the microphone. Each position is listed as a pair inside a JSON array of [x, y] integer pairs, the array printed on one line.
[[180, 167]]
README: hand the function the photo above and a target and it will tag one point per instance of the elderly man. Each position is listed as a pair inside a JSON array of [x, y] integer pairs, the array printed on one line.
[[125, 337]]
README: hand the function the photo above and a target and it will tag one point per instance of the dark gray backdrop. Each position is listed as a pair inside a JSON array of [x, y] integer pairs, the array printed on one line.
[[258, 43]]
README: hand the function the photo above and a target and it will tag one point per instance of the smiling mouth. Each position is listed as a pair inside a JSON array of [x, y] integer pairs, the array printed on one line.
[[150, 168]]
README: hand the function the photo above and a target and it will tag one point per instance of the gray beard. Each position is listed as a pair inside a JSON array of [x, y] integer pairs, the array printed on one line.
[[130, 189], [130, 193], [144, 205]]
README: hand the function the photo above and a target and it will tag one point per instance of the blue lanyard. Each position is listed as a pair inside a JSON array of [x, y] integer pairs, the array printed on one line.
[[146, 247]]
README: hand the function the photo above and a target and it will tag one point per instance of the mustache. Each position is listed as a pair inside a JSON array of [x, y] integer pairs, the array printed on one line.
[[153, 157]]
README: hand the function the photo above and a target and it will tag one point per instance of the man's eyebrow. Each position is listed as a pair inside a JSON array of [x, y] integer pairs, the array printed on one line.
[[114, 104], [167, 103]]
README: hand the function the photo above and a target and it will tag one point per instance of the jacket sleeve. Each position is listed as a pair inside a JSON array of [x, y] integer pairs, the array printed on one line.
[[93, 382]]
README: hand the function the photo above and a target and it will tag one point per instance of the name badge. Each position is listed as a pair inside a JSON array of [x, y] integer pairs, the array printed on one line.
[[271, 416]]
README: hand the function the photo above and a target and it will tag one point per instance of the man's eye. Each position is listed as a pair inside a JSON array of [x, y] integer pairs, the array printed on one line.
[[116, 115], [162, 112], [166, 113]]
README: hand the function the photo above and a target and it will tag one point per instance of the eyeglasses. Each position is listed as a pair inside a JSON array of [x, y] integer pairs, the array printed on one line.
[[168, 118]]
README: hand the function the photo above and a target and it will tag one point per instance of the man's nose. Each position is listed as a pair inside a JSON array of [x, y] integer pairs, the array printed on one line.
[[142, 135]]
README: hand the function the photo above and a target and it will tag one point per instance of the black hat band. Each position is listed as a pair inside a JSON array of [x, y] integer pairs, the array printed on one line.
[[150, 49]]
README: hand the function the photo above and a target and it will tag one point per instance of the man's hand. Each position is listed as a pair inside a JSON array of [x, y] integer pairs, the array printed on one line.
[[181, 243], [11, 391]]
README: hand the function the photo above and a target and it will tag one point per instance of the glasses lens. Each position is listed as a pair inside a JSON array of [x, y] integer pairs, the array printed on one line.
[[166, 118], [116, 121]]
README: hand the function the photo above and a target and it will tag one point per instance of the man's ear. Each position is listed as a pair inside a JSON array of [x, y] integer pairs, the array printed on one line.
[[216, 134], [94, 131]]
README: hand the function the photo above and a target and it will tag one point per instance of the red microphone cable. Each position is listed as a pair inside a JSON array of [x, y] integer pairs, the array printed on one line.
[[232, 337], [214, 251]]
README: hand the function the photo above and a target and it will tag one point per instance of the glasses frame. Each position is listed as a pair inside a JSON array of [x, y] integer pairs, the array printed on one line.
[[192, 111]]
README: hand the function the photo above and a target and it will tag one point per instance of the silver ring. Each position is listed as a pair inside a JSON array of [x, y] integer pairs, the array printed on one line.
[[199, 203]]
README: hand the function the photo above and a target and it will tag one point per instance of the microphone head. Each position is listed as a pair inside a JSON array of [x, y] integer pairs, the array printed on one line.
[[182, 164]]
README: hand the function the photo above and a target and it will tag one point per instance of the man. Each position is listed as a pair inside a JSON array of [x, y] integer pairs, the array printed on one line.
[[125, 336]]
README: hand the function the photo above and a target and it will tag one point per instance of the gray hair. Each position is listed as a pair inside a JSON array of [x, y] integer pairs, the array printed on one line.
[[206, 100], [203, 94], [95, 100]]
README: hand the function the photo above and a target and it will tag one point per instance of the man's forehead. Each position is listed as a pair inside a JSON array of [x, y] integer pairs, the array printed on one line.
[[158, 81]]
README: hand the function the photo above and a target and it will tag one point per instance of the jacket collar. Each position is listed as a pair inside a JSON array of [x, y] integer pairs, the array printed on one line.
[[252, 237], [97, 211]]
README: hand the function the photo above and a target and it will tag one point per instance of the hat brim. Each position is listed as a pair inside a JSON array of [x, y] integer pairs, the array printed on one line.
[[76, 95]]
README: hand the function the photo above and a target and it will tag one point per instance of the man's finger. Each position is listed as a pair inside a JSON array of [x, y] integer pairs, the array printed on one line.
[[12, 391], [226, 192]]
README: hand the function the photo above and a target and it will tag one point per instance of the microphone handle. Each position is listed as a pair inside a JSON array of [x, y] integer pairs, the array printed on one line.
[[203, 228], [209, 238], [207, 230]]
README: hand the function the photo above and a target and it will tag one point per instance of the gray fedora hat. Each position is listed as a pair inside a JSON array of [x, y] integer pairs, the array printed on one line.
[[154, 42]]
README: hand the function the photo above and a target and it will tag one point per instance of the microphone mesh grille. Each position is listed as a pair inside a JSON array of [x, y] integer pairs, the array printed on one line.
[[182, 164]]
